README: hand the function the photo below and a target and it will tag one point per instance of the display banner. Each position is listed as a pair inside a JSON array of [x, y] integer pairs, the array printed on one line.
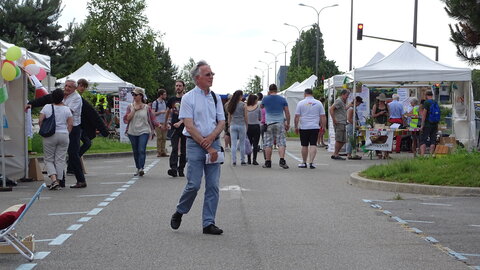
[[381, 140]]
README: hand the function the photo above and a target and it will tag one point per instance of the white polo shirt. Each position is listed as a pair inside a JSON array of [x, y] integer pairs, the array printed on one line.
[[310, 111]]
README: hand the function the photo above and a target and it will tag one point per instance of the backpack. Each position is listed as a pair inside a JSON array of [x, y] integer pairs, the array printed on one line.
[[433, 112]]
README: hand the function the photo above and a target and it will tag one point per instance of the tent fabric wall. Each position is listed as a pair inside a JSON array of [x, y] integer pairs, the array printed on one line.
[[41, 60], [17, 166], [406, 65], [104, 81]]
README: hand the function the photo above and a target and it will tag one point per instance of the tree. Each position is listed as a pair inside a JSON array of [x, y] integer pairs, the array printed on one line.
[[476, 84], [166, 72], [118, 39], [307, 44], [466, 33], [254, 85], [185, 74]]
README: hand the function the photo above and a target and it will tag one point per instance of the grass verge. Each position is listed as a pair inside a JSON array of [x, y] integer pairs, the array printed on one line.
[[458, 169]]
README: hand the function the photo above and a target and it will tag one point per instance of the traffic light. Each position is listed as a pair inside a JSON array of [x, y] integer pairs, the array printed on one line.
[[360, 31]]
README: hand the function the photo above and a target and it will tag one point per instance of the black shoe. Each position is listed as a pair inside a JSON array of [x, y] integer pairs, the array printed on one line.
[[312, 166], [212, 229], [180, 173], [172, 172], [337, 157], [283, 163], [62, 183], [176, 220], [268, 164], [255, 162], [79, 185], [141, 172], [243, 163], [302, 165]]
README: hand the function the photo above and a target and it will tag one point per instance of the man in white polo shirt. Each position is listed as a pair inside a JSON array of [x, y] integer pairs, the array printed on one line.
[[309, 115]]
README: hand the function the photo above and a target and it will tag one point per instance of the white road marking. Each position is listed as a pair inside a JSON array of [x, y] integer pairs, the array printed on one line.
[[93, 195], [399, 220], [67, 213], [294, 157], [121, 189], [109, 199], [131, 182], [126, 186], [431, 240], [84, 219], [43, 240], [233, 188], [26, 266], [60, 239], [103, 204], [474, 225], [112, 183], [94, 211], [74, 227], [40, 255], [437, 204], [115, 194], [419, 221], [40, 198]]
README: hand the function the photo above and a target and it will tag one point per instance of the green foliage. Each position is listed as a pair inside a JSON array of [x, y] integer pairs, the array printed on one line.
[[166, 71], [254, 85], [185, 74], [431, 171], [476, 84], [466, 33]]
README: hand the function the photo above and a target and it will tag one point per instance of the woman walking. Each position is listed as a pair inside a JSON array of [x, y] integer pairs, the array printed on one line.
[[55, 147], [237, 117], [254, 114], [141, 124]]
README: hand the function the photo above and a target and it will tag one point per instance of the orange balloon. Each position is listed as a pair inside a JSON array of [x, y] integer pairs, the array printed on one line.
[[28, 62]]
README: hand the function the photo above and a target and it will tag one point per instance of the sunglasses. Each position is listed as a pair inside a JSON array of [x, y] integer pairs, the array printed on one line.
[[133, 94]]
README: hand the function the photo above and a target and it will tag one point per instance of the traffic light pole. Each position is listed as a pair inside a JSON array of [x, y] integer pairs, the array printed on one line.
[[401, 41]]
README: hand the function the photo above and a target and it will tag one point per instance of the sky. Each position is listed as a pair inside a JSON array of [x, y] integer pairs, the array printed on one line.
[[232, 36]]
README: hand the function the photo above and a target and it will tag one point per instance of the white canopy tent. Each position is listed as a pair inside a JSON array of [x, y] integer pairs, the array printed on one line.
[[103, 80], [294, 94], [41, 60], [406, 66]]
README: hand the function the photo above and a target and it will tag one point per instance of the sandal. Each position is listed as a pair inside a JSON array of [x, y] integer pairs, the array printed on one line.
[[355, 158], [55, 185]]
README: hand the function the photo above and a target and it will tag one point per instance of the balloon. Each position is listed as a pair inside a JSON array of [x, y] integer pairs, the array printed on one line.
[[42, 74], [8, 71], [18, 72], [13, 53], [32, 69], [28, 62], [3, 94], [40, 92], [7, 61]]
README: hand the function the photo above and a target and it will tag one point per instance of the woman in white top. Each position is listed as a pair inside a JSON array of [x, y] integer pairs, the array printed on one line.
[[141, 124], [55, 147]]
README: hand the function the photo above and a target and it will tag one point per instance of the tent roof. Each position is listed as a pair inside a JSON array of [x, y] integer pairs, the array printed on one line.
[[105, 81], [300, 87], [41, 60], [407, 64]]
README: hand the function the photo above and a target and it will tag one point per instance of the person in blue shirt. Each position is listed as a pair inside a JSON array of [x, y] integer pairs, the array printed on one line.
[[277, 121]]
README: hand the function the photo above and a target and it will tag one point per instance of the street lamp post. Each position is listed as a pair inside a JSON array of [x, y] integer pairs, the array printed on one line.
[[268, 70], [318, 32], [275, 70], [285, 46], [298, 40]]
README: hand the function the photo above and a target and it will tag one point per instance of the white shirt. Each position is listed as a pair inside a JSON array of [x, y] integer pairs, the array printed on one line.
[[201, 108], [310, 111], [74, 102], [61, 115]]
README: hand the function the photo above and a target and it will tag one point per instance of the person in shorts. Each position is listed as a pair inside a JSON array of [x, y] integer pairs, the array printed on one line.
[[428, 129], [338, 112], [308, 115]]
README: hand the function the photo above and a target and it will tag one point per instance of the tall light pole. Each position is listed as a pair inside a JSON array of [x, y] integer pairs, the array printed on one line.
[[285, 46], [298, 40], [268, 70], [263, 75], [275, 70], [318, 32]]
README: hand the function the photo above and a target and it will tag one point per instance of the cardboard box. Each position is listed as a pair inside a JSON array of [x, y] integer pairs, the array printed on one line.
[[450, 142], [28, 241], [441, 150]]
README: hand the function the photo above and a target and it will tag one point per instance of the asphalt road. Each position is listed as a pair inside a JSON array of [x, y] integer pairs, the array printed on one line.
[[272, 218]]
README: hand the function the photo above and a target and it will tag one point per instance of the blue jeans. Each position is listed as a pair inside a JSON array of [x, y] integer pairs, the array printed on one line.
[[238, 135], [195, 168], [139, 147]]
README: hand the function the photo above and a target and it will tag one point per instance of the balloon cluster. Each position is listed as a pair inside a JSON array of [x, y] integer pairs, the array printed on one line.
[[11, 71]]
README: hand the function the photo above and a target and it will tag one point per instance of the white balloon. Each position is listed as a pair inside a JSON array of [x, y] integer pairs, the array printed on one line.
[[32, 69]]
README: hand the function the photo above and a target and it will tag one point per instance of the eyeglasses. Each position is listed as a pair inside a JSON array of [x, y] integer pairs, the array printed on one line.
[[210, 74], [133, 94]]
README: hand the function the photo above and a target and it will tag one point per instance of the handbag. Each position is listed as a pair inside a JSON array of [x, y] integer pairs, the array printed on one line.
[[48, 125]]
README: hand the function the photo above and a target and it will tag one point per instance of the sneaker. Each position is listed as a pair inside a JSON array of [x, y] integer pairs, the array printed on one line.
[[302, 165], [141, 172], [176, 220], [337, 157], [172, 172], [234, 164], [212, 229], [283, 163], [243, 163], [180, 173], [312, 166], [268, 164], [79, 185]]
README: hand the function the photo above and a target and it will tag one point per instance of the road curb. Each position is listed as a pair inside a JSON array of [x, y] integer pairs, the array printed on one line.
[[358, 181], [109, 155]]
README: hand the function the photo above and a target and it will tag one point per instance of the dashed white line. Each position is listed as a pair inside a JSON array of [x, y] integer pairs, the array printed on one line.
[[93, 195], [26, 266], [41, 255], [94, 211], [84, 219], [67, 213], [115, 194], [126, 186], [419, 221], [74, 227], [112, 183], [121, 189], [103, 204], [60, 239], [437, 204], [109, 199]]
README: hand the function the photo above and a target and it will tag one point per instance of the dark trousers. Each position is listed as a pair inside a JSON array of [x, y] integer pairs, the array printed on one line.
[[73, 154], [177, 137], [86, 144], [253, 134]]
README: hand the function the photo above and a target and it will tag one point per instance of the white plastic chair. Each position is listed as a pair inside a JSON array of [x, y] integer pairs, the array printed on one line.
[[6, 234]]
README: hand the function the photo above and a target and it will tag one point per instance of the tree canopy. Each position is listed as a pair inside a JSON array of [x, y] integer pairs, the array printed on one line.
[[466, 33]]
